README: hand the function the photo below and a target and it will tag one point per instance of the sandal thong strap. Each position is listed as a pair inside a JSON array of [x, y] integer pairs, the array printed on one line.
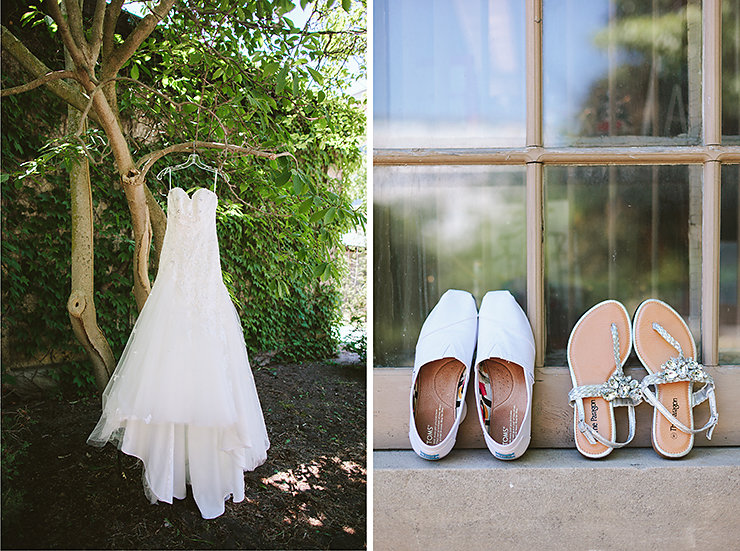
[[619, 389], [679, 369]]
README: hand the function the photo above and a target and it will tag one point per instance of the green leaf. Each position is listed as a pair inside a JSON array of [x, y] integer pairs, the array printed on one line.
[[283, 177], [135, 71], [296, 89], [346, 4], [281, 78], [316, 75], [27, 17], [269, 69], [298, 184], [319, 269], [317, 216], [305, 206], [329, 217]]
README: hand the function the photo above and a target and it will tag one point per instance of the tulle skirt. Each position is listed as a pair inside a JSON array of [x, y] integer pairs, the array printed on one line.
[[183, 399]]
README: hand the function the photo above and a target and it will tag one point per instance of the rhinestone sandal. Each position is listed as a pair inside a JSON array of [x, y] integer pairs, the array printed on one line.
[[598, 346], [660, 333]]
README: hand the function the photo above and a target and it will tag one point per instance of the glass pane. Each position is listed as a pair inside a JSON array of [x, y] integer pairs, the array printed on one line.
[[619, 68], [731, 71], [729, 268], [448, 73], [439, 228], [622, 232]]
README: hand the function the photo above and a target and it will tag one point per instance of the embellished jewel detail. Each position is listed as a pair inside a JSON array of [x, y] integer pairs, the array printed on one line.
[[683, 369], [621, 386]]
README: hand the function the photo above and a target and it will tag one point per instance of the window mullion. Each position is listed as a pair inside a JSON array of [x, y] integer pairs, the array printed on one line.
[[535, 255], [712, 136], [710, 262], [535, 227], [694, 59], [627, 155], [712, 72], [534, 72]]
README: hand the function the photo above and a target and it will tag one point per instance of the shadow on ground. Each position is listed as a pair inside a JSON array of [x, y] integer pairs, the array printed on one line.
[[310, 494]]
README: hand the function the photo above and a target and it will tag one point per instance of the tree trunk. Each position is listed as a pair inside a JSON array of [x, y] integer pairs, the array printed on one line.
[[81, 303], [159, 225], [133, 187]]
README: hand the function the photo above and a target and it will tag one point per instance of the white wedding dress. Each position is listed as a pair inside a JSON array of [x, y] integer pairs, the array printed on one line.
[[182, 398]]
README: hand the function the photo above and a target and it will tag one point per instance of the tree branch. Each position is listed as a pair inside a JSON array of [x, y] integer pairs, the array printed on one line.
[[158, 220], [109, 29], [81, 303], [36, 67], [178, 105], [69, 42], [96, 34], [146, 162], [45, 79], [144, 28], [74, 22]]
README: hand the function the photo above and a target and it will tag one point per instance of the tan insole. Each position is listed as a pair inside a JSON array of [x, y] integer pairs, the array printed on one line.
[[592, 361], [509, 400], [654, 351], [436, 387]]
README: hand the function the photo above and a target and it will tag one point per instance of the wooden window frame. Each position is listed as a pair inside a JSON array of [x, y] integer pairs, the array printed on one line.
[[391, 411]]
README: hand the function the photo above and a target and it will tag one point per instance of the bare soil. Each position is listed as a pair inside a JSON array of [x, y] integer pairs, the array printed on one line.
[[60, 493]]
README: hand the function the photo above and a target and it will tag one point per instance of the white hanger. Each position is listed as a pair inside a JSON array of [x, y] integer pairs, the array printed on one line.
[[193, 159]]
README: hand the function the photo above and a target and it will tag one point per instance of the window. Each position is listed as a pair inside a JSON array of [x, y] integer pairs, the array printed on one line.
[[570, 152], [439, 228], [448, 73]]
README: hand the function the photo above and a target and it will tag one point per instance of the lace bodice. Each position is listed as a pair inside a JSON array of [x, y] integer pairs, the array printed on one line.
[[190, 257]]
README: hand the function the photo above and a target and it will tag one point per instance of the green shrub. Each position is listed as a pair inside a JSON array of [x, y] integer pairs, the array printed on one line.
[[270, 262]]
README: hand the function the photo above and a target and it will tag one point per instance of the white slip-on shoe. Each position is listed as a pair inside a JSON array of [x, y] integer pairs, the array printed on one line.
[[441, 373], [504, 375]]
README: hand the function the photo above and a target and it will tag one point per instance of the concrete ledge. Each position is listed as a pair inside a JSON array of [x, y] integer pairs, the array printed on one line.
[[556, 499]]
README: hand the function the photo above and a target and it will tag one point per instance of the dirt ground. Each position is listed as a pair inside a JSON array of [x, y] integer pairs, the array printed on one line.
[[60, 493]]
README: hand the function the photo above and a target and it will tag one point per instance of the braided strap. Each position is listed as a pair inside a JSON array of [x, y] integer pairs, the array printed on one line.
[[676, 370], [619, 390]]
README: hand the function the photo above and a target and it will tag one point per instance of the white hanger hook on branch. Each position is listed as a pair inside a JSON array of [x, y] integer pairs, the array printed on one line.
[[146, 162]]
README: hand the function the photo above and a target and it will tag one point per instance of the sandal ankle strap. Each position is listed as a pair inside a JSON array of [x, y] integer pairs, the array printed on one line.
[[593, 436]]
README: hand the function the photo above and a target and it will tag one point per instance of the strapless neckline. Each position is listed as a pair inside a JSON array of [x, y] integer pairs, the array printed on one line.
[[196, 192]]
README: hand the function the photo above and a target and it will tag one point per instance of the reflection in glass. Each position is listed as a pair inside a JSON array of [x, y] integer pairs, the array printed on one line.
[[439, 228], [731, 71], [616, 68], [621, 232], [729, 281], [448, 73]]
